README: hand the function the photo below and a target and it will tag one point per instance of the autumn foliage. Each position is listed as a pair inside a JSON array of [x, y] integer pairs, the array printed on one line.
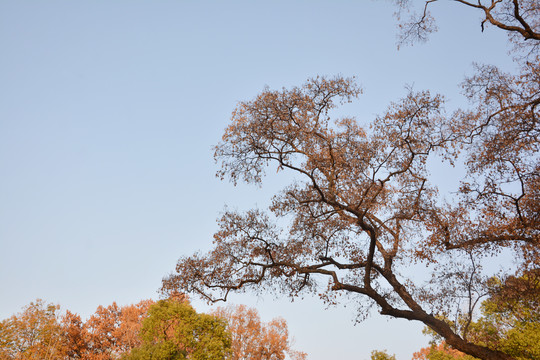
[[509, 321], [440, 352], [254, 339], [361, 214], [148, 330], [110, 332], [40, 331], [362, 208], [35, 333]]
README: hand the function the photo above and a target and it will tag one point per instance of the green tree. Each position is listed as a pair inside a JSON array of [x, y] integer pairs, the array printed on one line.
[[382, 355], [509, 321], [174, 330]]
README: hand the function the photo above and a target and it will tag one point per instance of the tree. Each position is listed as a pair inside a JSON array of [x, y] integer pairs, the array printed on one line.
[[509, 321], [253, 339], [174, 330], [35, 333], [381, 355], [168, 329], [108, 334], [519, 18], [75, 336], [40, 331], [440, 352], [361, 210]]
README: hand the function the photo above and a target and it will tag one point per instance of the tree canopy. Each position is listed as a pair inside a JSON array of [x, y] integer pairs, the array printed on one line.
[[509, 321], [148, 330], [255, 339], [174, 330], [361, 209], [381, 355], [35, 333]]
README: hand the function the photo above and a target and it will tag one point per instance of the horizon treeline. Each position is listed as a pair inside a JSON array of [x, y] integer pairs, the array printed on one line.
[[164, 329]]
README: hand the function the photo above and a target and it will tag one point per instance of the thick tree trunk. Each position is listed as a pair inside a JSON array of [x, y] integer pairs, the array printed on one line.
[[442, 328], [481, 352]]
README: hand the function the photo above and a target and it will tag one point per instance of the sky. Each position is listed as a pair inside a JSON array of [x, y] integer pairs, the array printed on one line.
[[108, 114]]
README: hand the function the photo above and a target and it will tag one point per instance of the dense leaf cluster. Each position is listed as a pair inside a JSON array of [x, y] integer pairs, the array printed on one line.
[[168, 329]]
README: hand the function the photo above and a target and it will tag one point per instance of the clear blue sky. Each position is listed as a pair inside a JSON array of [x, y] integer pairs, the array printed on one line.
[[108, 114]]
